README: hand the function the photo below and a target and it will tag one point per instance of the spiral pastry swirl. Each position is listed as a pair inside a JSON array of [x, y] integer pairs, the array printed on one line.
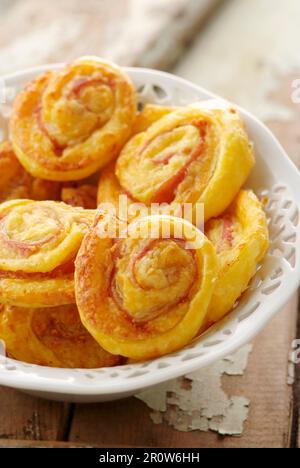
[[38, 245], [68, 124], [16, 183], [51, 337], [241, 239], [144, 297], [191, 155]]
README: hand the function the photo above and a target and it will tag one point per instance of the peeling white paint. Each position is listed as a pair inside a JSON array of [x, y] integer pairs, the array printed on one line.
[[198, 401]]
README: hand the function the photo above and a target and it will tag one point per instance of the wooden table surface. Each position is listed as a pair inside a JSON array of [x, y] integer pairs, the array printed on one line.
[[269, 381]]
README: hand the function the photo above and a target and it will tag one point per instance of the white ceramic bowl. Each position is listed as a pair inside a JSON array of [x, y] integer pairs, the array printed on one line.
[[274, 176]]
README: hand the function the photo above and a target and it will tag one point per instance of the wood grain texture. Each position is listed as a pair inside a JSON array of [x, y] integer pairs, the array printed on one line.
[[33, 444], [26, 418], [52, 444]]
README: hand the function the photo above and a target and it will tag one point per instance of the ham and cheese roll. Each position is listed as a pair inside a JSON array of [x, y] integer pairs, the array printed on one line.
[[194, 155], [52, 337], [145, 294], [241, 239], [16, 183], [38, 245], [68, 124]]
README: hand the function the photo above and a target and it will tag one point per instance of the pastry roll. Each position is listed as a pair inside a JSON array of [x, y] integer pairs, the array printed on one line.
[[241, 239], [68, 124], [146, 294], [150, 114], [109, 188], [16, 183], [51, 337], [84, 196], [193, 155], [38, 244]]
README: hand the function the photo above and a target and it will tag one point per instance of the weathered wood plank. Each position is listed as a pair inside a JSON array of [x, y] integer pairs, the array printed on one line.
[[62, 31], [26, 418], [43, 444], [52, 444]]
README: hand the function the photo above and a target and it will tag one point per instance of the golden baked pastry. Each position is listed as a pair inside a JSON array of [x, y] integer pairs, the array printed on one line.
[[53, 337], [84, 196], [144, 297], [241, 239], [193, 155], [109, 188], [150, 114], [68, 124], [16, 183], [38, 244]]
